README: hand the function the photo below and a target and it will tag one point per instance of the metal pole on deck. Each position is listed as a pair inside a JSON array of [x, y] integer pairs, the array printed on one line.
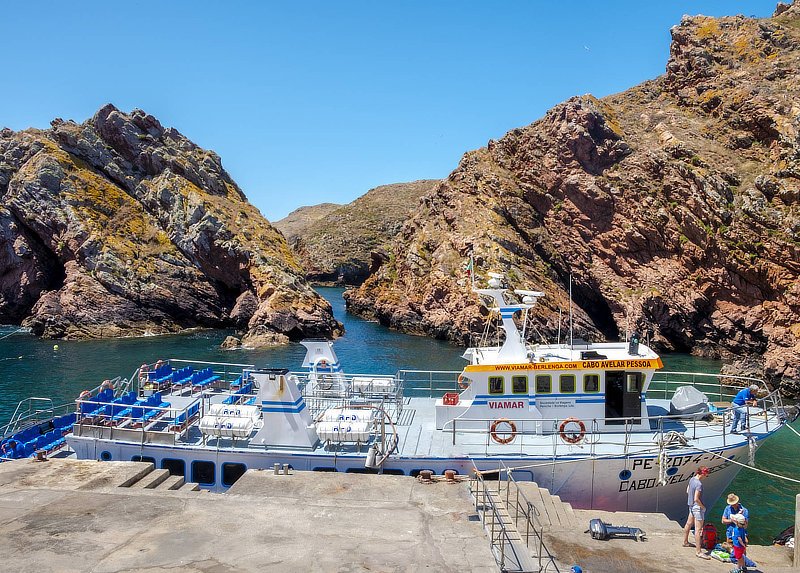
[[796, 561]]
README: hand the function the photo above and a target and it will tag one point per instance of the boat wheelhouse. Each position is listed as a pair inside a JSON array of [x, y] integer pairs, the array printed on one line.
[[599, 424]]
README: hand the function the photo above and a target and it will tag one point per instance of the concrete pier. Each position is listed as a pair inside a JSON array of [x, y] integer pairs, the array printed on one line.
[[72, 516], [66, 515]]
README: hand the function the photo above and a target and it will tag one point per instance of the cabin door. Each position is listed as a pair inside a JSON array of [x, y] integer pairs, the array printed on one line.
[[623, 396]]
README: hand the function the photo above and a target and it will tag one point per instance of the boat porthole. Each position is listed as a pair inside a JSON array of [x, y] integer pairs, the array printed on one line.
[[672, 471], [625, 475], [105, 456]]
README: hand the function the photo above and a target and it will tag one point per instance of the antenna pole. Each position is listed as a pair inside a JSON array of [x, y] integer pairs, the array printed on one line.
[[558, 340], [570, 313], [472, 268]]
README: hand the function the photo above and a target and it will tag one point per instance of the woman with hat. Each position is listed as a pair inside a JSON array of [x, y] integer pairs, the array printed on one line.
[[733, 508]]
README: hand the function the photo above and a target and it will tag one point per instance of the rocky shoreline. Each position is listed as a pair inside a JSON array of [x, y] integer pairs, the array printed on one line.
[[121, 227]]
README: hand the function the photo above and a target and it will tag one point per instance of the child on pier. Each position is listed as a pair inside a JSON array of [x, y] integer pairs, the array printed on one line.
[[739, 537]]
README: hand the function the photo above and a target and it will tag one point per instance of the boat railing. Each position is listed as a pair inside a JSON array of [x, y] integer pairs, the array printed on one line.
[[142, 377], [640, 434], [718, 387], [430, 383], [32, 411], [493, 508], [340, 391]]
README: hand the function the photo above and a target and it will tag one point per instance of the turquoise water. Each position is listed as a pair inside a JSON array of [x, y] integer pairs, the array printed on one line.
[[31, 367]]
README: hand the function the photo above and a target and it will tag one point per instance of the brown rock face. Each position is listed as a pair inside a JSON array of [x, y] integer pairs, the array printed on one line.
[[119, 226], [673, 205], [343, 244]]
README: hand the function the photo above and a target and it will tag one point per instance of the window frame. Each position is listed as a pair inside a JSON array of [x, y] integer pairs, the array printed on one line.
[[502, 380], [222, 472], [516, 378], [585, 388], [561, 378], [549, 378]]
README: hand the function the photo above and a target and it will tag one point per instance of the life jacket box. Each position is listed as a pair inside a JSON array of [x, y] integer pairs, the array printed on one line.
[[450, 399], [344, 431], [364, 385]]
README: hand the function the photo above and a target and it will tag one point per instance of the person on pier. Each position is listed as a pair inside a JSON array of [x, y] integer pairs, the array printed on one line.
[[697, 512]]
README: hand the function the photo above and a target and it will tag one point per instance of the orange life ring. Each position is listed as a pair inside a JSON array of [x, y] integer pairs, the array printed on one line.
[[463, 382], [572, 438], [511, 435]]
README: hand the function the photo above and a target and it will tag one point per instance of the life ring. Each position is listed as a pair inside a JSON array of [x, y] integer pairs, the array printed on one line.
[[509, 437], [572, 438], [322, 363], [463, 382]]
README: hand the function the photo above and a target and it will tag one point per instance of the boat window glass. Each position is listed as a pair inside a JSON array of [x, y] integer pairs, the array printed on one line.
[[232, 472], [175, 467], [203, 472], [543, 384], [634, 381], [496, 385], [519, 384], [591, 383], [567, 383]]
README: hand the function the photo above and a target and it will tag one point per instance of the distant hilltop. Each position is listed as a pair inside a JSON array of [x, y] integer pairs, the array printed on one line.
[[118, 226], [674, 206], [342, 244]]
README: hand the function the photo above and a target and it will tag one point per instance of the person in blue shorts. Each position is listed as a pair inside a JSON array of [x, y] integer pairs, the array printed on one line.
[[744, 399], [733, 508], [739, 542]]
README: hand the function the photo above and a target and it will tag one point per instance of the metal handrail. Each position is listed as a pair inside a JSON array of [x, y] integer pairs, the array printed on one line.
[[499, 535]]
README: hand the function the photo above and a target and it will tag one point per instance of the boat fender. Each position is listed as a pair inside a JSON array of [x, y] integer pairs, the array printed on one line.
[[507, 438], [463, 382], [572, 437]]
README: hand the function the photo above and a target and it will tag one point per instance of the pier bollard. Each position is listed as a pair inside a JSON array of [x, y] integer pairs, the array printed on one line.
[[276, 469], [796, 561]]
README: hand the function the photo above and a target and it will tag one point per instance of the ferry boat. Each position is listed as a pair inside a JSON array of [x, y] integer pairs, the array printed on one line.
[[599, 424]]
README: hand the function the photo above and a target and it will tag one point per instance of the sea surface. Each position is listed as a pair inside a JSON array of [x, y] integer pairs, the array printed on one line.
[[60, 370]]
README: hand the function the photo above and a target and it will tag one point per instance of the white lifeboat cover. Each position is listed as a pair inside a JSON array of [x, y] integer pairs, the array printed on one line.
[[344, 431], [234, 411], [227, 427]]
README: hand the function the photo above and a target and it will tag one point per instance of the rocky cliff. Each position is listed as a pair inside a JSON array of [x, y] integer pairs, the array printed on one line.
[[675, 206], [119, 226], [344, 244]]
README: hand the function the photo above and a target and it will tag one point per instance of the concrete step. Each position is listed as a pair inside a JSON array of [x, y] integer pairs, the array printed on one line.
[[171, 483], [190, 486], [151, 480], [138, 475]]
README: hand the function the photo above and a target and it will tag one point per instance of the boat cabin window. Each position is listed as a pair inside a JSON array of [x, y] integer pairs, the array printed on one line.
[[496, 384], [232, 472], [175, 467], [591, 383], [519, 384], [544, 384], [203, 472], [634, 381], [567, 382]]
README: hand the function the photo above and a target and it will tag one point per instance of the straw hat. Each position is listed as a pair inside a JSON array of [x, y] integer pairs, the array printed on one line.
[[733, 499]]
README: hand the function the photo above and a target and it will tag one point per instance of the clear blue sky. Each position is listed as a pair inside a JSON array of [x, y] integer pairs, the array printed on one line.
[[309, 102]]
